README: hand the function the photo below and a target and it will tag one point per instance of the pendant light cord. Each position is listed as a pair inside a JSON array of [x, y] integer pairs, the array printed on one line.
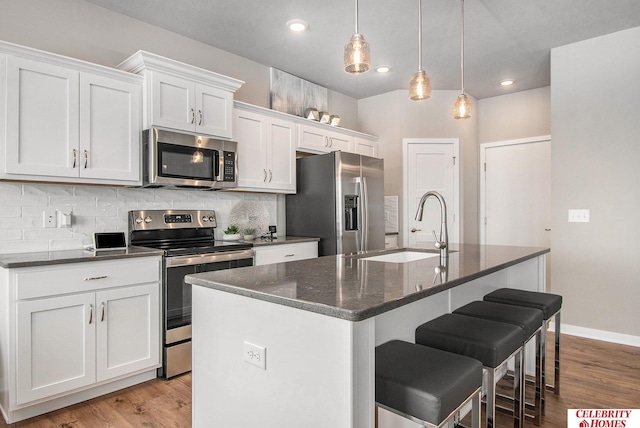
[[419, 35], [462, 47], [356, 18]]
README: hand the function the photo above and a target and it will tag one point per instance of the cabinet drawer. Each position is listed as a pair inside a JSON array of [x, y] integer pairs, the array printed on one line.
[[285, 253], [78, 277]]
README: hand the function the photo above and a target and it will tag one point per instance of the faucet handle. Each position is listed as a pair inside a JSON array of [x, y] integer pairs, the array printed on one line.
[[439, 244]]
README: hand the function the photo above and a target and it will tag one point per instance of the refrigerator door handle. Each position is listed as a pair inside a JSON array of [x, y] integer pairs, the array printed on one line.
[[362, 240]]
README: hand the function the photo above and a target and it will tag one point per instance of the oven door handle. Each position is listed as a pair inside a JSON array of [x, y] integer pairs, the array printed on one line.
[[197, 259]]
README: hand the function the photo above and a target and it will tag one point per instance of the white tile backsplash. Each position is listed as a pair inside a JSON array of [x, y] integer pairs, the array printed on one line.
[[98, 209]]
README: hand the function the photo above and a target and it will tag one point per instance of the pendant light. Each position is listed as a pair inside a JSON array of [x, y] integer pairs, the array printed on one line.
[[462, 106], [420, 86], [357, 55]]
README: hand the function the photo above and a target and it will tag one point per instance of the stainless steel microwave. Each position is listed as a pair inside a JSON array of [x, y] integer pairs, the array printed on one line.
[[179, 159]]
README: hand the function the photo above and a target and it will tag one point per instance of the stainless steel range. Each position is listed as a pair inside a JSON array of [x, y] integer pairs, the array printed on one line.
[[187, 238]]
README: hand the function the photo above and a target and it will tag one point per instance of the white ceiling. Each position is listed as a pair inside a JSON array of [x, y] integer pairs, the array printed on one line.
[[503, 38]]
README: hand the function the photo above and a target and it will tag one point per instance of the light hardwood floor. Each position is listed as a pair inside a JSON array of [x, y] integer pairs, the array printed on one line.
[[594, 374]]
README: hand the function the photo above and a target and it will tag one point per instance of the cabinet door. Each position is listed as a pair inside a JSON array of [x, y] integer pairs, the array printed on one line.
[[173, 102], [366, 147], [340, 142], [42, 119], [55, 345], [213, 111], [250, 133], [281, 157], [109, 129], [281, 253], [128, 330], [312, 139]]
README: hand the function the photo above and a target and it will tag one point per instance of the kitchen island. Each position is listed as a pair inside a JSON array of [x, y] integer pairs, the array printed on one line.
[[319, 322]]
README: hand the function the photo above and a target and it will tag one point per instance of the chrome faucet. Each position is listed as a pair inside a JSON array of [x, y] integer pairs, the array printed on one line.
[[442, 242]]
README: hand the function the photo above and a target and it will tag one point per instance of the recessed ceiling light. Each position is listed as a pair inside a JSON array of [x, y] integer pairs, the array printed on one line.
[[297, 25], [383, 69], [507, 82]]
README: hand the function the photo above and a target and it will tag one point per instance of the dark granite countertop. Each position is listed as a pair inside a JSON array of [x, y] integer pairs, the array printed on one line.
[[354, 288], [21, 260], [282, 240]]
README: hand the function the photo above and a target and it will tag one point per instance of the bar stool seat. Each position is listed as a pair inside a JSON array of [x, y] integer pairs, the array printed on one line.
[[551, 306], [492, 343], [529, 319], [424, 384]]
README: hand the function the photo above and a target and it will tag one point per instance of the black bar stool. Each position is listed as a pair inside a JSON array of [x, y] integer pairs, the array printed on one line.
[[425, 385], [530, 320], [550, 305], [492, 343]]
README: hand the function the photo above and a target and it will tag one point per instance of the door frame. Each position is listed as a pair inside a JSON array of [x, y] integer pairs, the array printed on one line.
[[454, 233], [483, 173]]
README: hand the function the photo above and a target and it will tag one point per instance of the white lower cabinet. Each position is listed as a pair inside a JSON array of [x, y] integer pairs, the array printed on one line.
[[390, 241], [77, 328], [280, 253]]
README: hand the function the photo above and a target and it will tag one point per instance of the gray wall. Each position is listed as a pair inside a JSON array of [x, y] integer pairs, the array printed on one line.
[[595, 105], [82, 30], [392, 116], [513, 116]]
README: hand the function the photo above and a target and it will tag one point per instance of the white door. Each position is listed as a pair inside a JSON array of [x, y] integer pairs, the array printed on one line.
[[281, 156], [430, 164], [55, 346], [173, 102], [250, 133], [109, 129], [42, 119], [516, 192], [128, 330], [213, 111]]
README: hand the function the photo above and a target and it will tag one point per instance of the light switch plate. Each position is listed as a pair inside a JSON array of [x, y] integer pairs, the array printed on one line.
[[579, 216]]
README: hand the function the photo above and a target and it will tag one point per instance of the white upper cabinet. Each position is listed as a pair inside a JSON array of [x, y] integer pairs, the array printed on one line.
[[69, 121], [266, 151], [183, 97], [318, 139], [366, 146]]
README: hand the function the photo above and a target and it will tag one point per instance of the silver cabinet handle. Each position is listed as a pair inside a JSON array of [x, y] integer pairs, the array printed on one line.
[[193, 115], [414, 230], [326, 141], [270, 176], [199, 117], [75, 158], [547, 230], [102, 316], [330, 141], [289, 255], [86, 159], [264, 179], [90, 313], [93, 278]]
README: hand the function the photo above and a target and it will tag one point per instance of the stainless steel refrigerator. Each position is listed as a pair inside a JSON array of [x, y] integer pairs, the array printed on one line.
[[340, 199]]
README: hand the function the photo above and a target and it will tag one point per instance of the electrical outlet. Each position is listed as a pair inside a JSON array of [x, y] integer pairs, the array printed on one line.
[[578, 216], [49, 218], [256, 355]]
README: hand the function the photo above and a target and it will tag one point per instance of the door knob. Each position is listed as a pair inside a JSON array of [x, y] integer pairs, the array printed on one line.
[[414, 230]]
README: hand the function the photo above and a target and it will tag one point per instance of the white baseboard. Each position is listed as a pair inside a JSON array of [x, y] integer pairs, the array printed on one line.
[[606, 336]]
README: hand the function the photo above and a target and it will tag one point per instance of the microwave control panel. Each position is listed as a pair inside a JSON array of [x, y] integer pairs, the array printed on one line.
[[229, 172]]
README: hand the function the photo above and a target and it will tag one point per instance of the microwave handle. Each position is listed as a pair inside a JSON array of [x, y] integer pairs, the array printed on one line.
[[219, 167]]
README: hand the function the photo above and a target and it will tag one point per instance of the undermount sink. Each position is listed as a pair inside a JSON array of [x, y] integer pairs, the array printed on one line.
[[401, 257]]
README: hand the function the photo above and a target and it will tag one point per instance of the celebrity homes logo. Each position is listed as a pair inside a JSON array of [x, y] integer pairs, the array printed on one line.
[[603, 418]]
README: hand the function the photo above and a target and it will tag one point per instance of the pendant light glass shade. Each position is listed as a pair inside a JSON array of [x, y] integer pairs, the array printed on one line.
[[462, 107], [420, 85], [357, 54]]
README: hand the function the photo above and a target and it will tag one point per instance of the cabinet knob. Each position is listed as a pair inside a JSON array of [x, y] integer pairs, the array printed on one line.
[[414, 230]]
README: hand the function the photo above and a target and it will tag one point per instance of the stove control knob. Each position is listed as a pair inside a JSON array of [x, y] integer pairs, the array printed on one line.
[[139, 220], [147, 219], [205, 218], [211, 218]]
